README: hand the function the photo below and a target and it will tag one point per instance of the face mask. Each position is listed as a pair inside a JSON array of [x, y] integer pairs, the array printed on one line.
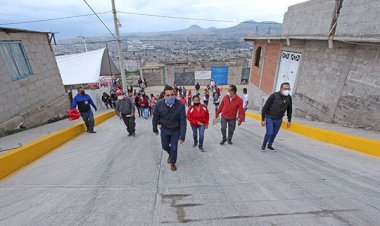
[[170, 101], [81, 92], [197, 104], [120, 97], [285, 92]]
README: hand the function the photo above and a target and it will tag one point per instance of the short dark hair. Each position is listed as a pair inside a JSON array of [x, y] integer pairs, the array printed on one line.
[[233, 88], [244, 90], [196, 96], [285, 83], [167, 87]]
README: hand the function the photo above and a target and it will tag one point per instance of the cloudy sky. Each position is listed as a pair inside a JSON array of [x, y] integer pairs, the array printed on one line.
[[236, 10]]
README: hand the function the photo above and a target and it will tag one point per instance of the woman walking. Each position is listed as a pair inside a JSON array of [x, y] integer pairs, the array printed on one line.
[[198, 117]]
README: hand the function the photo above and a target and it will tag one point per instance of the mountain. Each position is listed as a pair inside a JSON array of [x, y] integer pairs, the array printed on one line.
[[250, 27]]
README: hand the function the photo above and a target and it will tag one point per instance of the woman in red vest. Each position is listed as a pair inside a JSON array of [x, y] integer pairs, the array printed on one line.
[[198, 117]]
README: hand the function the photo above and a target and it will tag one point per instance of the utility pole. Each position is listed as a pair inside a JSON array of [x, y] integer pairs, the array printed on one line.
[[118, 43], [84, 41]]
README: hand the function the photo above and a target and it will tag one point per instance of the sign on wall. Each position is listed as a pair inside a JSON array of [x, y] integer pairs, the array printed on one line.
[[201, 75]]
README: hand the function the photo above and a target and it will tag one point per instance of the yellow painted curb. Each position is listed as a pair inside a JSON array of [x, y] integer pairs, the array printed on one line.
[[361, 144], [20, 157]]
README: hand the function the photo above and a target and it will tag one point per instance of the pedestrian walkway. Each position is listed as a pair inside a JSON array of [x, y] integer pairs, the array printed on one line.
[[111, 179], [17, 140]]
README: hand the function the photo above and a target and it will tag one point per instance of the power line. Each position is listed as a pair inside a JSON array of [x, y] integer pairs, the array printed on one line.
[[194, 18], [99, 19], [51, 19]]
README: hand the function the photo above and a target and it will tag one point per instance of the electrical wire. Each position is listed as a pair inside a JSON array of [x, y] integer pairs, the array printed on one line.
[[51, 19], [194, 18], [99, 19]]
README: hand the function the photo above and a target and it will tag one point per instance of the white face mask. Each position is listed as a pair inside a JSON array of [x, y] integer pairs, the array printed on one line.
[[285, 92], [120, 97]]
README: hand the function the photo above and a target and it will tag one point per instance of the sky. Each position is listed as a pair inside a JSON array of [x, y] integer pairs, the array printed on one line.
[[235, 10]]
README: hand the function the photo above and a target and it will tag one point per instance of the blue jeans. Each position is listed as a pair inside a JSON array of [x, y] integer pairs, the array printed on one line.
[[169, 141], [88, 118], [272, 126], [145, 112], [201, 135]]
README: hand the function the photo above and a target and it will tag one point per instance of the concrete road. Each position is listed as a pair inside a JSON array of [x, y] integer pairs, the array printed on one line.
[[111, 179]]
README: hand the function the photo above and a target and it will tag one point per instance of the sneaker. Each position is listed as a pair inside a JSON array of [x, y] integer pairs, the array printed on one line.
[[201, 149], [129, 134], [222, 142], [194, 145], [263, 147], [271, 148], [91, 132]]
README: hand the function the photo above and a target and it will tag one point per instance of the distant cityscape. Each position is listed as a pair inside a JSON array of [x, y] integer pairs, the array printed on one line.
[[189, 45]]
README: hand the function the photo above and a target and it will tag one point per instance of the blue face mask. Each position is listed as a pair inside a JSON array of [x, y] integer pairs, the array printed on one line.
[[170, 101]]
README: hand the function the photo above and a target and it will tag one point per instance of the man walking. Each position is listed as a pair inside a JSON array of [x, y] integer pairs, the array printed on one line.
[[171, 115], [84, 103], [273, 112], [230, 106], [125, 109]]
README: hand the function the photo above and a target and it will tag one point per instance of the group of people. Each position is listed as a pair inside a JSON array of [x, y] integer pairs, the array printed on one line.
[[170, 116]]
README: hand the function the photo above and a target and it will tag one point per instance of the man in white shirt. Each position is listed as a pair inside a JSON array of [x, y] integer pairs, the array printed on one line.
[[245, 101]]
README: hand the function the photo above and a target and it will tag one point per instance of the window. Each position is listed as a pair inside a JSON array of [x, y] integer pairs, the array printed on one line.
[[13, 55], [258, 57]]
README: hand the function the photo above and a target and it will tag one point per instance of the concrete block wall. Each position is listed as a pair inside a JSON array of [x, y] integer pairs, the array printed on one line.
[[359, 103], [321, 78], [359, 18], [340, 85], [43, 88], [311, 18]]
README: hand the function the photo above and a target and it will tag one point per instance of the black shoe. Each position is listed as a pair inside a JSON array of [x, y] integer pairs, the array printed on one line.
[[202, 149], [229, 142], [91, 132], [222, 142], [129, 134], [271, 148], [263, 147], [194, 145]]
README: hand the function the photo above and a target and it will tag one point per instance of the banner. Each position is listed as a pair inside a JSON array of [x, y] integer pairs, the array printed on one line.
[[200, 75]]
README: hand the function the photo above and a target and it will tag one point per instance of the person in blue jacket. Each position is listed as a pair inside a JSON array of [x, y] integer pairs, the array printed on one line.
[[84, 103]]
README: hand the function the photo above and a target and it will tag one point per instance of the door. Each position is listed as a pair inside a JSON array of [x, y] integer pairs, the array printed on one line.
[[288, 69], [220, 75], [184, 78]]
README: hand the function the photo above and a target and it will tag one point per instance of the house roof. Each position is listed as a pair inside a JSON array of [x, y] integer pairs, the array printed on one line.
[[319, 38], [16, 30]]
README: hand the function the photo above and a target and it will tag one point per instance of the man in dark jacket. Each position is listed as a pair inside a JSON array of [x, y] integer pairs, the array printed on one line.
[[84, 103], [171, 115], [125, 109], [107, 100], [273, 112]]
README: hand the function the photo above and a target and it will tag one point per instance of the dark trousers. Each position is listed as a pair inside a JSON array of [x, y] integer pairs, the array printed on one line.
[[108, 104], [129, 123], [216, 107], [273, 127], [201, 130], [88, 118], [231, 127], [139, 110], [169, 141]]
